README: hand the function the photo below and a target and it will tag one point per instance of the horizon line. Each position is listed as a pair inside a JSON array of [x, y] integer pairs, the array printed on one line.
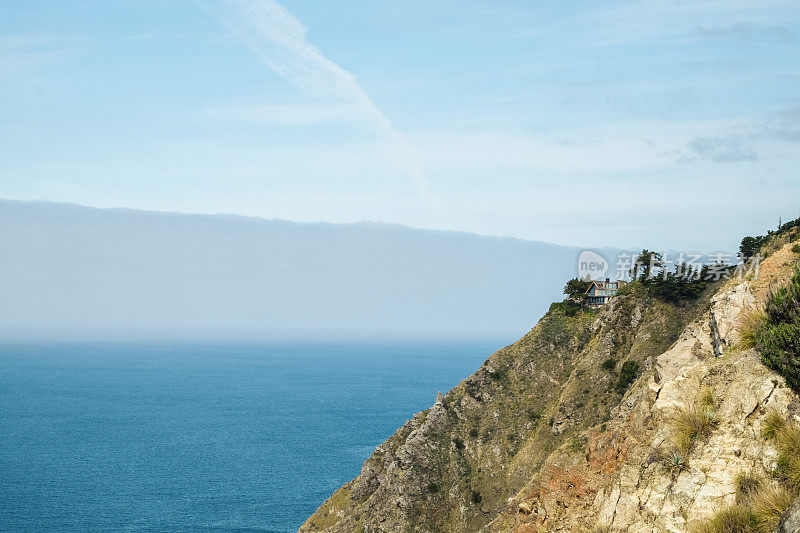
[[362, 222]]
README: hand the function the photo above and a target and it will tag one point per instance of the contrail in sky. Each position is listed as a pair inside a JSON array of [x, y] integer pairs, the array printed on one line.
[[279, 39]]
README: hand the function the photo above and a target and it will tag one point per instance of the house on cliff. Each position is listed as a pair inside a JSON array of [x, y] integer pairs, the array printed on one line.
[[599, 292]]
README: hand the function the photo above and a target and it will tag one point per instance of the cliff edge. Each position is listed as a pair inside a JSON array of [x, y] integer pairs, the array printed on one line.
[[645, 415]]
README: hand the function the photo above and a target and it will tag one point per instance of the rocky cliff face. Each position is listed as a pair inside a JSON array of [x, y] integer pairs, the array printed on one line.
[[557, 433]]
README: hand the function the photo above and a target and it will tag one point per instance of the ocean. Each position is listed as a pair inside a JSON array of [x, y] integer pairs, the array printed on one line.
[[202, 437]]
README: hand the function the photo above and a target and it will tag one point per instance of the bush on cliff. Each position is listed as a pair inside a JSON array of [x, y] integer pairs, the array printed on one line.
[[627, 375], [777, 336], [568, 307]]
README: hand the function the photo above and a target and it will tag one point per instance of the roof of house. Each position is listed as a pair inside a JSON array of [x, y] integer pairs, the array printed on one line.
[[606, 284]]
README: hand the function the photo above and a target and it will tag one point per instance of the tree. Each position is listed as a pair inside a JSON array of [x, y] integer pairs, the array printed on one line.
[[751, 245], [645, 264], [576, 288]]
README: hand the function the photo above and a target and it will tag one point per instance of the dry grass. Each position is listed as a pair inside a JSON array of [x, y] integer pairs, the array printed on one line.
[[759, 502], [707, 397], [751, 325], [773, 270], [693, 422], [760, 514], [768, 505], [747, 484], [734, 519], [786, 438], [774, 423]]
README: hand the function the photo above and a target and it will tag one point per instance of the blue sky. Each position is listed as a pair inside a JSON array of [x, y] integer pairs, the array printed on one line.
[[662, 124]]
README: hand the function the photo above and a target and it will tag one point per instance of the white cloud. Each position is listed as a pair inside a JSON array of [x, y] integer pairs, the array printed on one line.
[[279, 39], [741, 141], [722, 149]]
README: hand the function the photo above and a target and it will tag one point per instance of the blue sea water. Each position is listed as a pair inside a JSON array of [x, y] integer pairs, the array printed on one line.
[[202, 437]]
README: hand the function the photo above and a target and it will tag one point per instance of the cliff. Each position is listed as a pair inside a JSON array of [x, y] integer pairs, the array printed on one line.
[[645, 415]]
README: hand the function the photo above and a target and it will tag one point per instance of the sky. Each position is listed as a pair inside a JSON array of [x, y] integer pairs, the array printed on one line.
[[666, 124]]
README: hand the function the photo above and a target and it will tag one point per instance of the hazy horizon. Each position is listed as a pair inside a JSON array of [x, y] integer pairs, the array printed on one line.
[[730, 243], [76, 272]]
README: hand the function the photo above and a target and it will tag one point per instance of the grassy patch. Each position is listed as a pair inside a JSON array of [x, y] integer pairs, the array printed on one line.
[[752, 325], [760, 512], [693, 422], [734, 519], [768, 505], [786, 438], [326, 516], [747, 484], [774, 423], [576, 446], [760, 503]]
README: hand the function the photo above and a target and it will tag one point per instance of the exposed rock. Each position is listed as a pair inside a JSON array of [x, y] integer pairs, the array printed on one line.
[[790, 521]]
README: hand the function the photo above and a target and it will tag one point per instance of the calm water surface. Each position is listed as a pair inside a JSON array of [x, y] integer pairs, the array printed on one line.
[[191, 437]]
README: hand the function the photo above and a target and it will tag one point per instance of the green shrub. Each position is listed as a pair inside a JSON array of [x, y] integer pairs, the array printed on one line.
[[796, 248], [627, 375], [750, 246], [499, 374], [609, 364], [676, 460], [568, 307], [778, 339]]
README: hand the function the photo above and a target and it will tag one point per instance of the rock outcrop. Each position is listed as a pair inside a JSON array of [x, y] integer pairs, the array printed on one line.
[[790, 521]]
